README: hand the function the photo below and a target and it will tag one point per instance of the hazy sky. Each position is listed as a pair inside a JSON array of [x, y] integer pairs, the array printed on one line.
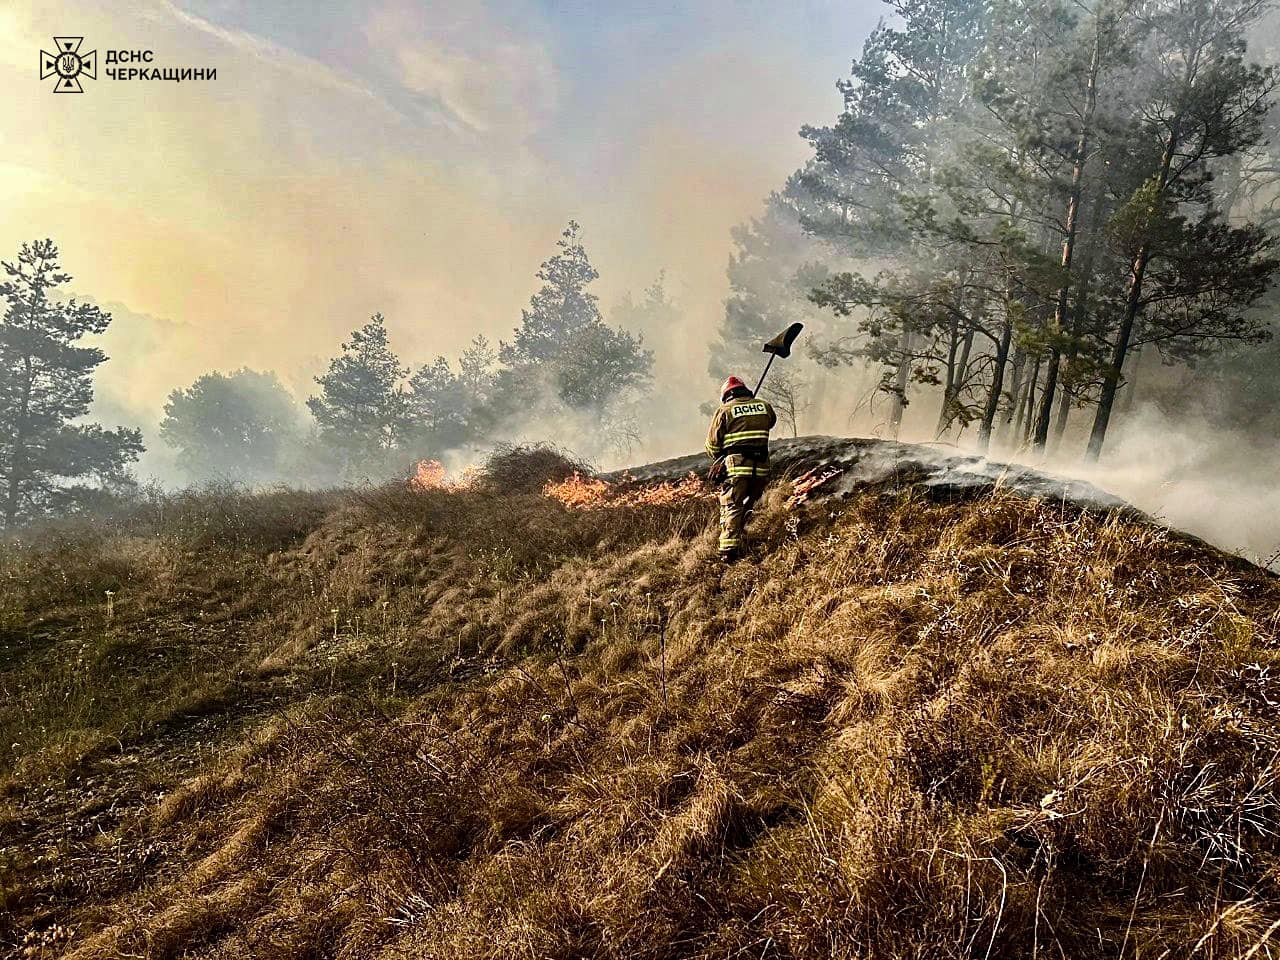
[[417, 158]]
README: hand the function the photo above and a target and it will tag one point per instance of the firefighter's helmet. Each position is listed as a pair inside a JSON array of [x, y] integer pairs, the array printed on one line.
[[730, 385]]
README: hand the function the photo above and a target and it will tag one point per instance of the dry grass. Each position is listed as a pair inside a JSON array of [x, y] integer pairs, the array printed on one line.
[[527, 469], [476, 723]]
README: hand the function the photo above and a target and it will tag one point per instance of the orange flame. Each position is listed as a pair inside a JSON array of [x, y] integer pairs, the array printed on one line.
[[809, 481], [586, 493], [428, 475], [578, 491], [431, 475]]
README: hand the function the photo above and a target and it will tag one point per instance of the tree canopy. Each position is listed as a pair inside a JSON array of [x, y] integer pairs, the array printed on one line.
[[49, 458], [240, 427]]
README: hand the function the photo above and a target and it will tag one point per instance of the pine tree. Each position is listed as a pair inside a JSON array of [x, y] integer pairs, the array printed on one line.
[[560, 310], [771, 272], [1200, 101], [361, 408], [448, 410], [477, 377], [906, 93], [563, 344], [1045, 188], [1054, 103], [903, 96], [46, 383], [436, 408]]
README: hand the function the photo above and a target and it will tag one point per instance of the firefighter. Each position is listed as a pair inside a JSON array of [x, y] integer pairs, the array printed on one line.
[[738, 443]]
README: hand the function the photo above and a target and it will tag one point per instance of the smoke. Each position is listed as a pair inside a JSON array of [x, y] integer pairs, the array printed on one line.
[[1219, 484], [1183, 469]]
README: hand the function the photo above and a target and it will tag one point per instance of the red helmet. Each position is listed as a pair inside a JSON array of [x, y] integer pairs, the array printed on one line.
[[733, 383]]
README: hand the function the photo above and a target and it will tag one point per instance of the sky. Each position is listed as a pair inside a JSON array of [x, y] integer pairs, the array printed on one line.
[[413, 158]]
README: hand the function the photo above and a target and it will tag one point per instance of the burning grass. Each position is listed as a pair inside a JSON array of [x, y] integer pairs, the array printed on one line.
[[428, 475], [590, 492], [809, 481], [432, 475], [465, 723]]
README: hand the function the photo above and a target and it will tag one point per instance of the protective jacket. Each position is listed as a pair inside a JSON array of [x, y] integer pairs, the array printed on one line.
[[739, 432], [741, 427]]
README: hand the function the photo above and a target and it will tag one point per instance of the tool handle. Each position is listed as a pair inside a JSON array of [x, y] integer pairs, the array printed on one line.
[[760, 382]]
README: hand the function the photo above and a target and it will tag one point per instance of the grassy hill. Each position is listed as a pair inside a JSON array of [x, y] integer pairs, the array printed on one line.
[[485, 723]]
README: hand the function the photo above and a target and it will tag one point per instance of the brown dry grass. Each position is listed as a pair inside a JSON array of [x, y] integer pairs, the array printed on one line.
[[475, 723]]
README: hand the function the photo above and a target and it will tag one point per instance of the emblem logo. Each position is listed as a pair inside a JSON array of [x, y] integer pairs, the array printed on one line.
[[68, 65]]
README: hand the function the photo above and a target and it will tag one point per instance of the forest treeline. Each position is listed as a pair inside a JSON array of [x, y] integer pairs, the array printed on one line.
[[371, 415], [1022, 200], [1020, 205]]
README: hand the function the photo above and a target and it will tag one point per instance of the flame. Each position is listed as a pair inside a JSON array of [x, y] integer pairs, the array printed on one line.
[[578, 491], [432, 475], [809, 481], [586, 492], [428, 475]]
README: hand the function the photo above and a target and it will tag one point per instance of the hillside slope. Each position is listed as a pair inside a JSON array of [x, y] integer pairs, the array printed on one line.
[[924, 720]]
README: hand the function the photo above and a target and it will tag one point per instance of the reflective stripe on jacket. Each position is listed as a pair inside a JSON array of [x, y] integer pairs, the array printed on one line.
[[741, 426], [746, 465]]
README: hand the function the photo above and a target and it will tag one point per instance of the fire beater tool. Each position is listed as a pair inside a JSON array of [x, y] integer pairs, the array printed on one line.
[[779, 346]]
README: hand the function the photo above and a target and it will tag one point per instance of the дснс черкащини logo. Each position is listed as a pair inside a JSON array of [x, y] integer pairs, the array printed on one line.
[[68, 64]]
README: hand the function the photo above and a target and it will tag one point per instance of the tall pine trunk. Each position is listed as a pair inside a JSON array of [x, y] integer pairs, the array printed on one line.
[[957, 367], [997, 386], [1022, 407], [1131, 394], [1078, 318], [1015, 395], [1068, 245], [1119, 352], [1030, 405], [944, 410], [962, 370], [1137, 273], [900, 382]]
